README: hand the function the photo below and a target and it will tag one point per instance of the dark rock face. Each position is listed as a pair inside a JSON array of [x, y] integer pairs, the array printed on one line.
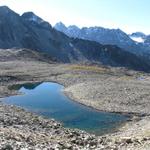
[[109, 55], [31, 32], [147, 40], [11, 29]]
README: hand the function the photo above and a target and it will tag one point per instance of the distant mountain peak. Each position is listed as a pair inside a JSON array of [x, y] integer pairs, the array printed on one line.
[[138, 34], [30, 13], [30, 16], [60, 27], [60, 24], [33, 18], [138, 37], [4, 10], [73, 27]]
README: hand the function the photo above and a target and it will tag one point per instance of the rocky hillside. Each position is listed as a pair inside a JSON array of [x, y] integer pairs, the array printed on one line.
[[32, 32], [24, 55], [109, 55]]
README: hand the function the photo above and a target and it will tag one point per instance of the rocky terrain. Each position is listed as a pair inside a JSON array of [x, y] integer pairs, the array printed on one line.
[[122, 94], [20, 129], [104, 88]]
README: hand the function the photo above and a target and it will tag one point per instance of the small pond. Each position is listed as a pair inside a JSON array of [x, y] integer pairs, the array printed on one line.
[[48, 99]]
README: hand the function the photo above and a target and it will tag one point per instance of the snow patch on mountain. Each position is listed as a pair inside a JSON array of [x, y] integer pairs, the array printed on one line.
[[71, 45], [138, 39]]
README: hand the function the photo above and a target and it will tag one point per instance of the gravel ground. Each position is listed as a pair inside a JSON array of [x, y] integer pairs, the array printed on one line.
[[108, 89], [20, 129], [114, 95]]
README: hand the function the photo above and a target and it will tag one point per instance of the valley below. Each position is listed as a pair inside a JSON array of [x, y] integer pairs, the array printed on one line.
[[109, 89]]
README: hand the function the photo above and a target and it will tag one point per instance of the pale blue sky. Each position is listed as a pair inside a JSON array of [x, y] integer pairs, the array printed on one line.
[[128, 15]]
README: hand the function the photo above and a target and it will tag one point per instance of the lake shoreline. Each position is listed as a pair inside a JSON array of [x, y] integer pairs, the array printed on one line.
[[18, 101], [115, 133], [10, 125], [73, 98], [68, 94]]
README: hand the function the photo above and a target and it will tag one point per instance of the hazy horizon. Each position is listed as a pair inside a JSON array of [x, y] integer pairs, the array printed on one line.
[[129, 16]]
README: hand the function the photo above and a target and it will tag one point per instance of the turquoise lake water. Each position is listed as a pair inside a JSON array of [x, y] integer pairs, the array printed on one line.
[[48, 99]]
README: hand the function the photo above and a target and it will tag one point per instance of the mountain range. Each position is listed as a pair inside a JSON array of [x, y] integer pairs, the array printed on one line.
[[136, 43], [72, 45]]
